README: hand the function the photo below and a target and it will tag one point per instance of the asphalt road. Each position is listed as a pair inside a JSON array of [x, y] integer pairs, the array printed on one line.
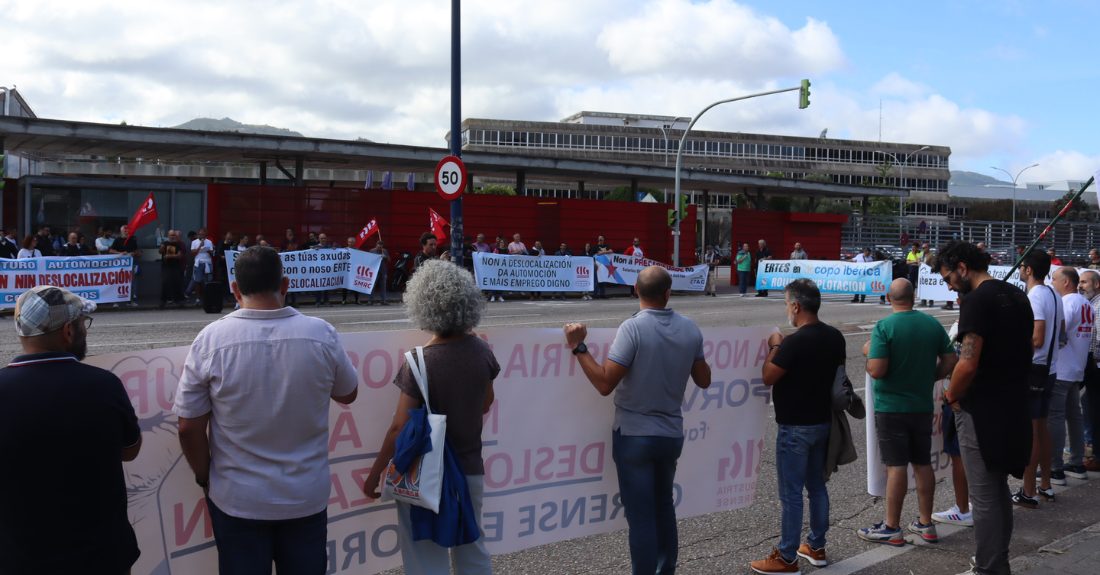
[[717, 543]]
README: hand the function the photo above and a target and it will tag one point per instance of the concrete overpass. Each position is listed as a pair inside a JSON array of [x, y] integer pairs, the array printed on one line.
[[179, 154]]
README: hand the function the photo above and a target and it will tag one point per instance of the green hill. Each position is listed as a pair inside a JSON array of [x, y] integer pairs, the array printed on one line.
[[231, 125], [961, 178]]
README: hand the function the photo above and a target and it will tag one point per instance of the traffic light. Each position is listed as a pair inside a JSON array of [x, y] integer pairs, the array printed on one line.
[[804, 94], [675, 215]]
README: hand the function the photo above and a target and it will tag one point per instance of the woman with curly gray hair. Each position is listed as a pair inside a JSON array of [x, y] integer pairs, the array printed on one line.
[[443, 299]]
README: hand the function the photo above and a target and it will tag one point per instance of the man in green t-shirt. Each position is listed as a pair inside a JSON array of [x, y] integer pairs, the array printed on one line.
[[743, 260], [909, 351]]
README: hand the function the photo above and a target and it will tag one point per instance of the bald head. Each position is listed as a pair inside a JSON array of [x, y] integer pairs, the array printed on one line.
[[653, 283], [901, 291]]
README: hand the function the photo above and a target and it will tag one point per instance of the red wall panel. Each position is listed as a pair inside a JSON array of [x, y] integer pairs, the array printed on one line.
[[819, 233], [403, 216]]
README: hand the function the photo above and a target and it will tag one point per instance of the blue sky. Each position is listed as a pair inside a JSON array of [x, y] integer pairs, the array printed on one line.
[[1035, 60], [1003, 83]]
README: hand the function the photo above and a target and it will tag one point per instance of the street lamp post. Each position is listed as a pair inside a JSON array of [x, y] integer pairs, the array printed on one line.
[[665, 134], [680, 153], [901, 201], [1014, 195]]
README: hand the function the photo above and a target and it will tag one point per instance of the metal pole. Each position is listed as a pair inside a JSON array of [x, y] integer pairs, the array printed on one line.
[[1014, 196], [1049, 226], [679, 158], [456, 125], [901, 201]]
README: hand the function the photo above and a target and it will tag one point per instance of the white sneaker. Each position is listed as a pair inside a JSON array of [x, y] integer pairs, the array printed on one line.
[[132, 304], [954, 516]]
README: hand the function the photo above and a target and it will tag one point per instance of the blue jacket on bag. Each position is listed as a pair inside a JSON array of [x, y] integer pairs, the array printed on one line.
[[455, 524]]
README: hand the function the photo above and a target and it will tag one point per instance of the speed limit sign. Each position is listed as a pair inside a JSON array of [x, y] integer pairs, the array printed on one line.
[[450, 178]]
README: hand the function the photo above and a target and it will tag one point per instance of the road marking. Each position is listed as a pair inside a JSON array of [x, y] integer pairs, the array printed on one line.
[[871, 326], [868, 558], [406, 320], [856, 333]]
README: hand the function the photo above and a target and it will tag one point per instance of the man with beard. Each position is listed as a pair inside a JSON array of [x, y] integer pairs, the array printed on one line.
[[1089, 287], [989, 394], [427, 249], [802, 368], [65, 429]]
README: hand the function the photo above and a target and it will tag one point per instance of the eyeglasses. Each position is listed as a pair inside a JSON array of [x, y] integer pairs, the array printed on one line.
[[87, 321]]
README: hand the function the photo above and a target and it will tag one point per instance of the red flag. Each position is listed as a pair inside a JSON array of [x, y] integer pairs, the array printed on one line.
[[437, 222], [369, 230], [147, 213]]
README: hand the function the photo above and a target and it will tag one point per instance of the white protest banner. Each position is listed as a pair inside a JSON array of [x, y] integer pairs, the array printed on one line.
[[876, 470], [624, 270], [102, 279], [547, 448], [871, 278], [540, 273], [932, 287], [314, 270]]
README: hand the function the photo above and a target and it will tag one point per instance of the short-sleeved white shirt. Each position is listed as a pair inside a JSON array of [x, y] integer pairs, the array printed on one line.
[[203, 257], [266, 378], [1079, 323], [1046, 305]]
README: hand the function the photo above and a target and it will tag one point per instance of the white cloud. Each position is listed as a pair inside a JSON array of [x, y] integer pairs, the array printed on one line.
[[380, 69], [894, 85], [717, 39], [1061, 165]]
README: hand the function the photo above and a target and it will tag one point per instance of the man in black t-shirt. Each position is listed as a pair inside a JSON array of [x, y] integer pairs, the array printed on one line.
[[65, 429], [763, 253], [74, 248], [8, 248], [127, 245], [989, 393], [427, 250], [171, 269], [801, 368], [601, 249]]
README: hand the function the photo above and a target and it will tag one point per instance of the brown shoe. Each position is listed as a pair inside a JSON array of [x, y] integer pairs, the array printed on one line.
[[1091, 464], [816, 557], [775, 564], [532, 298]]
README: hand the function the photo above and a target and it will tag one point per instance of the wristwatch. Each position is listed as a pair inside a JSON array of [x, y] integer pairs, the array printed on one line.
[[581, 348], [203, 484]]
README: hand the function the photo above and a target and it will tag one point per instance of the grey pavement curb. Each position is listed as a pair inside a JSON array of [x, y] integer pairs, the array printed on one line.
[[1060, 556]]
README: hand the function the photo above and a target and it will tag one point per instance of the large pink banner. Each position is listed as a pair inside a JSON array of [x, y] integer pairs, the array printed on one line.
[[549, 473]]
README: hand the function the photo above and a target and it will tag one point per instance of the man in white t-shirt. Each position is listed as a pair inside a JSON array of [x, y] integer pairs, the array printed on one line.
[[516, 248], [863, 257], [1065, 402], [634, 250], [1046, 306], [202, 250], [260, 380]]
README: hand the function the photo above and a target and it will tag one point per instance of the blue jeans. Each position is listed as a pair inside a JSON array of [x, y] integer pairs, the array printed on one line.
[[249, 546], [647, 468], [1065, 411], [800, 463], [379, 288], [601, 289], [743, 280]]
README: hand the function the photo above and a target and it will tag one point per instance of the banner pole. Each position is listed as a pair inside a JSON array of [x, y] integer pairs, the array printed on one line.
[[1060, 215]]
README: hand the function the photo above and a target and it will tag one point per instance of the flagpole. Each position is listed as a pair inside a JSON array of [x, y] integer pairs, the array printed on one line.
[[1060, 215]]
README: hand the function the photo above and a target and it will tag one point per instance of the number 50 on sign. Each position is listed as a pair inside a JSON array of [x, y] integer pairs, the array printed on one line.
[[450, 178]]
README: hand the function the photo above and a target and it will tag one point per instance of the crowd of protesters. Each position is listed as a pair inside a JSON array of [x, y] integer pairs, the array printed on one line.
[[1017, 367]]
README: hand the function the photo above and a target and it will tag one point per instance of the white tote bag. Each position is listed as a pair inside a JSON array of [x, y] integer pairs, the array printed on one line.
[[422, 484]]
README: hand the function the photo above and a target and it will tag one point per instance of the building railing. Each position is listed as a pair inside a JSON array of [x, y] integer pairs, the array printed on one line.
[[1071, 239]]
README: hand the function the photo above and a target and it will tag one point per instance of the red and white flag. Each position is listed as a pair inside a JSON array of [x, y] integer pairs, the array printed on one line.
[[146, 214], [368, 230], [437, 222]]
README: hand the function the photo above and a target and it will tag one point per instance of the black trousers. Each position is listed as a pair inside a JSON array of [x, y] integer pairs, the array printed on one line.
[[171, 284]]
